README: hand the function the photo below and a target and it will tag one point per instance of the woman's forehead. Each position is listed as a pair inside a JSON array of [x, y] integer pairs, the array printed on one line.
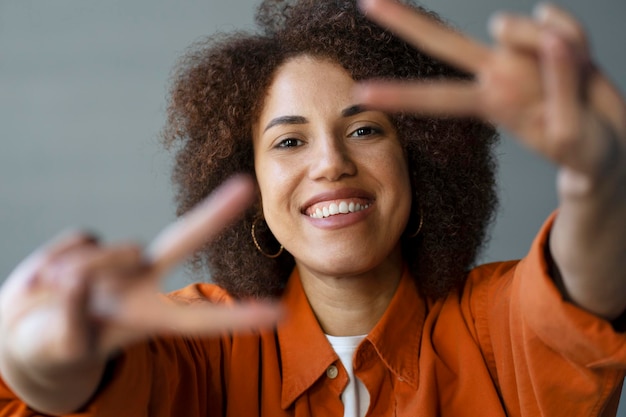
[[306, 81]]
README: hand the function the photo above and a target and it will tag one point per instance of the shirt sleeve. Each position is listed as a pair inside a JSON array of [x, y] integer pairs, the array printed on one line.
[[580, 336], [547, 356]]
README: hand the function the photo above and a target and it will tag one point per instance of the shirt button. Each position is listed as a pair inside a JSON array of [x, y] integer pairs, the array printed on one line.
[[332, 372]]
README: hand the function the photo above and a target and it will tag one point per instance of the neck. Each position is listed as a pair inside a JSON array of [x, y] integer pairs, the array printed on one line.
[[351, 305]]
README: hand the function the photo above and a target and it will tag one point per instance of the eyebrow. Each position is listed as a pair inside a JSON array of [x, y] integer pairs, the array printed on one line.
[[299, 120], [353, 110], [286, 120]]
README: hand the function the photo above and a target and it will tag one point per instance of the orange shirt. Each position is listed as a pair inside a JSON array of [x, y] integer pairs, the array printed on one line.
[[506, 345]]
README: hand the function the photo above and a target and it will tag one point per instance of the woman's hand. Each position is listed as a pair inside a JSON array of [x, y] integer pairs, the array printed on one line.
[[72, 303], [540, 83]]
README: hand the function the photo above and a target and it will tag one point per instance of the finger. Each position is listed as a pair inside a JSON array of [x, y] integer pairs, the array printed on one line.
[[603, 95], [25, 275], [519, 32], [89, 280], [67, 241], [86, 272], [199, 225], [430, 36], [147, 315], [564, 23], [606, 100], [583, 141], [86, 262], [562, 79], [201, 317], [437, 98]]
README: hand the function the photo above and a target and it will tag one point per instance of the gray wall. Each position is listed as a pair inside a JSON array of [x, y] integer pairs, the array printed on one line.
[[82, 98]]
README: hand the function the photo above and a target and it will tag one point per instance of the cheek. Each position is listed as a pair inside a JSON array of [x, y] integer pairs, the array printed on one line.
[[279, 208], [276, 187], [264, 179], [400, 183], [403, 187], [397, 169]]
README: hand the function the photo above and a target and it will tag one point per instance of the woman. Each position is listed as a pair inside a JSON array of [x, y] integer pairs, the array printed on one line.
[[364, 225]]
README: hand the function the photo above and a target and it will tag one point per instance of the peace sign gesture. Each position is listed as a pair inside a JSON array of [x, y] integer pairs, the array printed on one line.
[[538, 82], [72, 303]]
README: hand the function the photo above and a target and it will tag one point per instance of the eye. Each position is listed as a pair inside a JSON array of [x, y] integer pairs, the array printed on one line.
[[365, 131], [289, 143]]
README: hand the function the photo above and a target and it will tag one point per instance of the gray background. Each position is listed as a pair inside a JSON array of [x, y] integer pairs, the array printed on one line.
[[82, 99]]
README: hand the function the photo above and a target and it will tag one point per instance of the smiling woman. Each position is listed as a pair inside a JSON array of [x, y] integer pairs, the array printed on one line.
[[369, 206], [447, 177]]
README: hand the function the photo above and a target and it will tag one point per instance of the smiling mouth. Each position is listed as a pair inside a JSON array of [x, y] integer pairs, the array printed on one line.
[[327, 209]]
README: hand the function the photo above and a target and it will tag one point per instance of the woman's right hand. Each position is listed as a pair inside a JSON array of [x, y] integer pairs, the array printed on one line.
[[71, 304]]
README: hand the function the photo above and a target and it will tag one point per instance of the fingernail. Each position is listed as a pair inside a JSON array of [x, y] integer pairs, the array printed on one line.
[[496, 23], [368, 5], [541, 11], [364, 5]]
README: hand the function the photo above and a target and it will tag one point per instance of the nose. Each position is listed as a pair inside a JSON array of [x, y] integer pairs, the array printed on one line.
[[331, 159]]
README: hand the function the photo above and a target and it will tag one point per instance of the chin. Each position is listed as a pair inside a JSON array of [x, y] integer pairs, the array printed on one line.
[[353, 264]]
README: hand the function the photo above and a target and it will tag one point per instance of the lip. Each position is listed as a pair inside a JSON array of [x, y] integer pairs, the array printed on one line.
[[341, 194]]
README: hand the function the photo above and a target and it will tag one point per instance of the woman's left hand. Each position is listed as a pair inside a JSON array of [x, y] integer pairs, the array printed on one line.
[[538, 82]]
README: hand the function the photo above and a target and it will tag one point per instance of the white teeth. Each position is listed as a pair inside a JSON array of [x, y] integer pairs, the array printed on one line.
[[333, 208]]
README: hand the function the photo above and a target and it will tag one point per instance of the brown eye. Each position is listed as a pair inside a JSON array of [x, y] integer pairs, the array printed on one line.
[[289, 143], [365, 131]]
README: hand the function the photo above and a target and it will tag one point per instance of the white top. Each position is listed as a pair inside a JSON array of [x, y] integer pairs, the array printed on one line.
[[355, 398]]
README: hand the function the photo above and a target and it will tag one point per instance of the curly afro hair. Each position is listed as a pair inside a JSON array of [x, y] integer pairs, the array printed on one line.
[[216, 95]]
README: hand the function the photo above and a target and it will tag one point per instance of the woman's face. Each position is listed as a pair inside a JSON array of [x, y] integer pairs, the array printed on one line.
[[332, 175]]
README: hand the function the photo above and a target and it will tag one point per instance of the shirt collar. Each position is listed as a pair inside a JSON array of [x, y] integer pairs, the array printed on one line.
[[306, 353], [397, 335]]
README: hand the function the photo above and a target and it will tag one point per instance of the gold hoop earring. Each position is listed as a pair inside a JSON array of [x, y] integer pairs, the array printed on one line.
[[256, 243], [419, 226]]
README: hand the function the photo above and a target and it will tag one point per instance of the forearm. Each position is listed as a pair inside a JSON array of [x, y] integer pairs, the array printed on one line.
[[588, 241], [52, 391]]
